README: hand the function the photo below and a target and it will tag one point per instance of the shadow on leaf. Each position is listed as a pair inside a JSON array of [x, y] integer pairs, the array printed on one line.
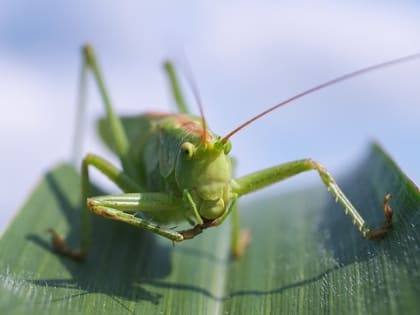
[[120, 259]]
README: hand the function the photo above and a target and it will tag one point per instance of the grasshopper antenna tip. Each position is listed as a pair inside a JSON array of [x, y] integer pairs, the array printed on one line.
[[322, 86]]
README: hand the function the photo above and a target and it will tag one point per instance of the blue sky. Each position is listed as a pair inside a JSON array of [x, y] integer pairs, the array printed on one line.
[[245, 55]]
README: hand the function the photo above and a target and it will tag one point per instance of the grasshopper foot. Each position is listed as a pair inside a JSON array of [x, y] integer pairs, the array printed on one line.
[[60, 247], [381, 232], [197, 229]]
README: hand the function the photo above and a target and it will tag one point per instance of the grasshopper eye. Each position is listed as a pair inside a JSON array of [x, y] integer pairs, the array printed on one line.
[[188, 149]]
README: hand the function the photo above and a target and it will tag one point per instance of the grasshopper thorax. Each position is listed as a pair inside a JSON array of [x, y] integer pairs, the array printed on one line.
[[204, 169]]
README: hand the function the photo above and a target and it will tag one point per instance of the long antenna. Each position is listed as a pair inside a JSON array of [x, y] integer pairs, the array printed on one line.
[[190, 79], [321, 86]]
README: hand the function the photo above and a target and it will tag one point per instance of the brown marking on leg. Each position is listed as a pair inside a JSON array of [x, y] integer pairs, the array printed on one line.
[[92, 205]]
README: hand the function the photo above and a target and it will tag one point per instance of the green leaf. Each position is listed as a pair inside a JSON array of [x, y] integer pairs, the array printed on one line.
[[305, 256]]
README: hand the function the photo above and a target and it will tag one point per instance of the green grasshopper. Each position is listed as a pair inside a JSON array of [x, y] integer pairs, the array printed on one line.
[[175, 170]]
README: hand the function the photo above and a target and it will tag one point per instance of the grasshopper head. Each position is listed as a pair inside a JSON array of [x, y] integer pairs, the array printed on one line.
[[203, 166], [204, 169]]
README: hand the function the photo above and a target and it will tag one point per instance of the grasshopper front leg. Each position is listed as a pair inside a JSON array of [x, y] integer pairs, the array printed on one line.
[[123, 208], [266, 177], [117, 207]]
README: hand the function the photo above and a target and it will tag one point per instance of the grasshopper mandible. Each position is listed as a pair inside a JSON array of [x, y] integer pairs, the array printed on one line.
[[176, 169]]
